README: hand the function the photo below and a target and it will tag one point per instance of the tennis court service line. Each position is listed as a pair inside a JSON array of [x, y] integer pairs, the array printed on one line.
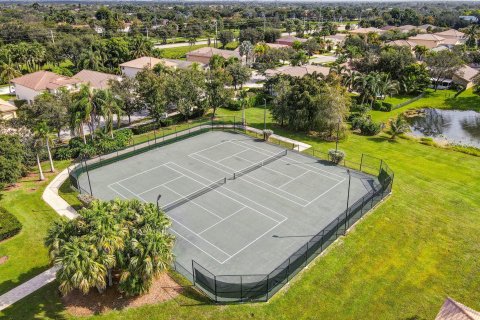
[[236, 194], [293, 161], [243, 179]]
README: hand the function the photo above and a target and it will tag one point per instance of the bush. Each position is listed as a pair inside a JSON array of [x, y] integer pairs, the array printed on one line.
[[9, 225], [143, 128], [85, 199], [370, 128], [234, 105], [267, 133], [382, 106], [62, 153], [336, 156]]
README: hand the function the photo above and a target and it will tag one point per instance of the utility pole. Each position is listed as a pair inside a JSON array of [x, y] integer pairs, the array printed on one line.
[[53, 38], [146, 29], [216, 30]]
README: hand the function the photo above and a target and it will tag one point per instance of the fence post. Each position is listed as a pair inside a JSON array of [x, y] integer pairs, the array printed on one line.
[[88, 177], [155, 136], [215, 281], [241, 288], [211, 125], [234, 124], [268, 284], [193, 273], [306, 255], [361, 163], [381, 164]]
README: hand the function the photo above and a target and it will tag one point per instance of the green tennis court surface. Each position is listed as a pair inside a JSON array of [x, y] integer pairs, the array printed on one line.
[[244, 225]]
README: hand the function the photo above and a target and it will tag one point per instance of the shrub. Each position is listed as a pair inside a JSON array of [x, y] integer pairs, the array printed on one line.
[[234, 105], [336, 156], [143, 128], [62, 153], [9, 225], [382, 106], [267, 133], [370, 128]]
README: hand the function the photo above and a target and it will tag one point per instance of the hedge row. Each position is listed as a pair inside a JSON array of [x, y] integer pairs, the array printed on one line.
[[9, 225]]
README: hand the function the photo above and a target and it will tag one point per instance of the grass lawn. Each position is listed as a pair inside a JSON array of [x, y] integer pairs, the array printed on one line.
[[27, 256], [400, 262], [7, 97], [179, 52], [441, 99]]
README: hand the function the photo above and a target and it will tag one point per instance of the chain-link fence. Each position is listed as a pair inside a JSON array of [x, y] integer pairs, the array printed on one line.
[[240, 288]]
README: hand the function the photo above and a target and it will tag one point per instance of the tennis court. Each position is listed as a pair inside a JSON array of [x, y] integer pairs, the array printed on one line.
[[238, 205]]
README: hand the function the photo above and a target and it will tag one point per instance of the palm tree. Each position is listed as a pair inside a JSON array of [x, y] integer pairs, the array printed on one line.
[[108, 106], [41, 139], [471, 34], [90, 59], [420, 52], [8, 71], [398, 126], [141, 47], [246, 49], [83, 111]]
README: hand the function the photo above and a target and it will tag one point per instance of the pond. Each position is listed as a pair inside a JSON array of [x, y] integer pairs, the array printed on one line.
[[453, 126]]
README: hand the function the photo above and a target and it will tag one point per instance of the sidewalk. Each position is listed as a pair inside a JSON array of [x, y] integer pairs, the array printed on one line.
[[51, 197]]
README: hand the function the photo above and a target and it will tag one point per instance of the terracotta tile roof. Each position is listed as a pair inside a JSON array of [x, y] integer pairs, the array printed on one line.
[[467, 73], [97, 80], [290, 39], [453, 310], [143, 62], [431, 37], [298, 71], [367, 30], [451, 33], [386, 28], [44, 80], [209, 52], [6, 107], [402, 43]]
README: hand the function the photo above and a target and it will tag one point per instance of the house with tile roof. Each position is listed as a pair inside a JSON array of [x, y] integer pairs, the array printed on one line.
[[465, 76], [298, 71], [7, 110], [289, 40], [451, 34], [367, 30], [131, 68], [29, 86], [203, 55], [428, 40], [96, 80], [453, 310]]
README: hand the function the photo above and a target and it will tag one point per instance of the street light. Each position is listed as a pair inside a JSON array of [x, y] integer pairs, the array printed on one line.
[[265, 114]]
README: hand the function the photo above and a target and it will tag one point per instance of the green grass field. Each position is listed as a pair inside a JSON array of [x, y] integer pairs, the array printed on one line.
[[27, 256], [400, 262]]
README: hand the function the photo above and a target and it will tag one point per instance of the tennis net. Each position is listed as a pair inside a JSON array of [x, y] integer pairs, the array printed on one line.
[[258, 165], [194, 195]]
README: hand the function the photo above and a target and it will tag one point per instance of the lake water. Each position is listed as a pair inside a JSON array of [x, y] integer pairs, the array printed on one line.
[[459, 127]]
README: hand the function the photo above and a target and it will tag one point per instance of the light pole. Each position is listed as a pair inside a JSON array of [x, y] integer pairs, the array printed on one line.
[[158, 200], [264, 114], [348, 198], [338, 132]]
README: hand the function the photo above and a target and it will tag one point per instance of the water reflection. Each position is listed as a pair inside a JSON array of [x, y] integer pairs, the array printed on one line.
[[460, 127]]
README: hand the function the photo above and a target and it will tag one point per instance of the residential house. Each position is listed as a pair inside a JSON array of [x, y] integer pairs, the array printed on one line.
[[451, 34], [96, 80], [453, 310], [337, 39], [368, 30], [299, 71], [7, 110], [29, 86], [387, 28], [407, 28], [426, 27], [428, 40], [289, 40], [402, 43], [203, 55], [464, 76], [131, 68]]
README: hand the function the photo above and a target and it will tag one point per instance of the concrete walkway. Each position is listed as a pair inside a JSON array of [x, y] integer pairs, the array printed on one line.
[[50, 196]]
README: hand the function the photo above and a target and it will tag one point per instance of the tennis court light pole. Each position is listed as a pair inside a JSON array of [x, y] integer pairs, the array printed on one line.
[[338, 132], [264, 114], [158, 199], [348, 197]]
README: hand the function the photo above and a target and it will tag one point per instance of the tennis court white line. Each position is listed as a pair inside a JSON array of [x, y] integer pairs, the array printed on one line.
[[137, 174], [267, 168], [133, 193], [325, 192], [270, 191], [233, 155], [213, 225], [248, 245], [218, 144], [225, 188], [294, 162], [160, 185], [193, 202], [284, 184]]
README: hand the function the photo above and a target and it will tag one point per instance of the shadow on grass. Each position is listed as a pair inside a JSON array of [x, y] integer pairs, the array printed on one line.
[[8, 285], [44, 303], [464, 103]]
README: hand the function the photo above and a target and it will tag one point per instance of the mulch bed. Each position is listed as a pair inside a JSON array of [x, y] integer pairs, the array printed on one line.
[[77, 304]]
